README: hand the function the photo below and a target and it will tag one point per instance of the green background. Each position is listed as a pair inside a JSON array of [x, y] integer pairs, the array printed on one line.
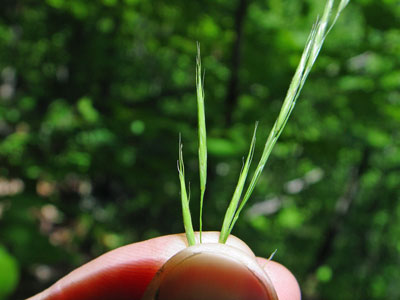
[[93, 96]]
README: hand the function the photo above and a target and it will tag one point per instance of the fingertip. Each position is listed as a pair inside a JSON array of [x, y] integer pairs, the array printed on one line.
[[211, 271], [283, 280]]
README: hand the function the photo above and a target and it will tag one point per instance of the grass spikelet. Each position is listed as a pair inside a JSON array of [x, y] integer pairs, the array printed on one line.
[[310, 53], [202, 135], [187, 218]]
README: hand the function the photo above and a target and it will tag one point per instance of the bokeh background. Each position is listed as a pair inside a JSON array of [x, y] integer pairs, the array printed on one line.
[[93, 96]]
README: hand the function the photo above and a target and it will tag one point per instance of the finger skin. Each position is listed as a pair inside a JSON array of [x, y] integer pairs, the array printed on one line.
[[285, 283], [124, 273], [211, 271]]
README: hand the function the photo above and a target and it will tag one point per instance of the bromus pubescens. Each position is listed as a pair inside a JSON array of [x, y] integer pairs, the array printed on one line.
[[313, 46], [218, 251]]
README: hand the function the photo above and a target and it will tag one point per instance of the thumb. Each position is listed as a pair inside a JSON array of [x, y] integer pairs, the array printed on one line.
[[126, 272], [211, 271]]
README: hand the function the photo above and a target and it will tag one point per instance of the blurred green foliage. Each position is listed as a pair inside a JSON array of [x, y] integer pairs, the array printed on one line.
[[9, 273], [93, 95]]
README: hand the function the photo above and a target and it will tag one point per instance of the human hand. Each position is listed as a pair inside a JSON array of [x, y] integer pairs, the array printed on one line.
[[125, 273]]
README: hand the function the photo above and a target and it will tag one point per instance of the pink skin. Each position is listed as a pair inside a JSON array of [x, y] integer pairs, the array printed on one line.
[[125, 273]]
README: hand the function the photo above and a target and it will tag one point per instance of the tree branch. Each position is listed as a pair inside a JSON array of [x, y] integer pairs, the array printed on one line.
[[343, 205], [232, 89]]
